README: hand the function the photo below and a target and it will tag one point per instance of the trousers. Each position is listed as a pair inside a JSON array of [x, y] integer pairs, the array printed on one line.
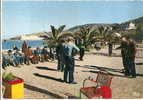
[[69, 69]]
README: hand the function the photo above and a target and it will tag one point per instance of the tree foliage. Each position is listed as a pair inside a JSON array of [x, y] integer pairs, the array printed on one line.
[[56, 34], [86, 34]]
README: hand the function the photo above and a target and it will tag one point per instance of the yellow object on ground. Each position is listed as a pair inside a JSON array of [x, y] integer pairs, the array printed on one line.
[[14, 89]]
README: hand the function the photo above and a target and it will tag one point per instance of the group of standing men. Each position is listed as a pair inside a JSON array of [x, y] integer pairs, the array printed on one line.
[[66, 50], [128, 52]]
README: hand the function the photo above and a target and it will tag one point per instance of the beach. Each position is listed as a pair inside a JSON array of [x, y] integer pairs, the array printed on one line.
[[44, 81]]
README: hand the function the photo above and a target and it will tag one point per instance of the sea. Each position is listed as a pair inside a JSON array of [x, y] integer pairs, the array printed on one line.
[[9, 44]]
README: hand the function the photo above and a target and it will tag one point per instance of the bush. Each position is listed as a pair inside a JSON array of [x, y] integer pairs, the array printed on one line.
[[8, 76]]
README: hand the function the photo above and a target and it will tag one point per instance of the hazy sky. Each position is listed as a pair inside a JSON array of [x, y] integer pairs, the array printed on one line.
[[30, 17]]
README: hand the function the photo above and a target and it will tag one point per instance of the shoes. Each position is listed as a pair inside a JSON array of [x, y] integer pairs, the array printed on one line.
[[65, 81], [72, 82]]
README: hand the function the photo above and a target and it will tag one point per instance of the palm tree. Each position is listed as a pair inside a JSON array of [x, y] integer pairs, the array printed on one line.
[[87, 34], [55, 35], [104, 33]]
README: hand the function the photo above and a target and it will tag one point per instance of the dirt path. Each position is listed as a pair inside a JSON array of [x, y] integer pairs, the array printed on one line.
[[45, 76]]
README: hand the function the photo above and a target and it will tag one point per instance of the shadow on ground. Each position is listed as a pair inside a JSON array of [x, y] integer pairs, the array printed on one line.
[[45, 68], [105, 54], [48, 77], [101, 68], [139, 63], [44, 91], [110, 71]]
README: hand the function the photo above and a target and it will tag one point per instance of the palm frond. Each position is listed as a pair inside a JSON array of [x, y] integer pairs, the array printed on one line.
[[64, 34], [61, 28], [54, 31]]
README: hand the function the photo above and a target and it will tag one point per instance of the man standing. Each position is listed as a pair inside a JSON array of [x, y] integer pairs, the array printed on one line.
[[131, 53], [82, 49], [60, 56], [24, 47], [123, 47], [28, 55], [110, 48], [70, 49]]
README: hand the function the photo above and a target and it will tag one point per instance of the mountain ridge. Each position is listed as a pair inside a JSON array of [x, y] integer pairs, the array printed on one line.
[[123, 26]]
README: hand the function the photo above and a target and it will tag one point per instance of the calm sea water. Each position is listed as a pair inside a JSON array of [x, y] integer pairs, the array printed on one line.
[[9, 44]]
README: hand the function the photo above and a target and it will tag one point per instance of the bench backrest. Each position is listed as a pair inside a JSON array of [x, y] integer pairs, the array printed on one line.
[[104, 79]]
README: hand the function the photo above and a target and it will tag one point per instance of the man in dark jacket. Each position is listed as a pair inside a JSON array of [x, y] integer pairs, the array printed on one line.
[[82, 49], [70, 49], [131, 53], [60, 56], [110, 48], [123, 47]]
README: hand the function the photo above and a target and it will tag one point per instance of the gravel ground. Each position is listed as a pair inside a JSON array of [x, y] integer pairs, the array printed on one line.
[[45, 76]]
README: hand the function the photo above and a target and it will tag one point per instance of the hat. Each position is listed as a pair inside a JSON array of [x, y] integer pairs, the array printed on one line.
[[70, 39]]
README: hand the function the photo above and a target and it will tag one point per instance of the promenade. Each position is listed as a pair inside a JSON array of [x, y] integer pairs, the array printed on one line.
[[44, 81]]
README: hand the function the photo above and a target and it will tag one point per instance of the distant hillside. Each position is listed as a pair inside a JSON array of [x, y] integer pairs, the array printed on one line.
[[74, 29], [135, 34], [138, 22], [124, 24], [40, 34]]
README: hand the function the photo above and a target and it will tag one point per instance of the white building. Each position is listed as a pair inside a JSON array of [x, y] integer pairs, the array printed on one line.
[[131, 26]]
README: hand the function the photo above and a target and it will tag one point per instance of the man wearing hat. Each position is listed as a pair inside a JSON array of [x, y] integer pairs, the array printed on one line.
[[70, 49]]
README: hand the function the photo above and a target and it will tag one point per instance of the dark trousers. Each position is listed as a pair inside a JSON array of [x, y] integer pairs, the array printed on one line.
[[81, 53], [110, 51], [68, 76], [125, 65], [131, 65], [69, 69], [60, 63]]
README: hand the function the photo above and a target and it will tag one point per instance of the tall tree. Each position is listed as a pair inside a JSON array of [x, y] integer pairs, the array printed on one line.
[[104, 33], [87, 34], [55, 35]]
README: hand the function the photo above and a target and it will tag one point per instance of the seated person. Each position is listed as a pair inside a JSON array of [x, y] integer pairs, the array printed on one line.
[[15, 47], [19, 57], [5, 61], [36, 56], [37, 53], [44, 54], [11, 58]]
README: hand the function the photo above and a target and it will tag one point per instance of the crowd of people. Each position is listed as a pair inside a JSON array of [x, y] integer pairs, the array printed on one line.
[[65, 52], [26, 55]]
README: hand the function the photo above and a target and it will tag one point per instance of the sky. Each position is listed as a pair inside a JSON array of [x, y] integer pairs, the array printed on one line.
[[25, 17]]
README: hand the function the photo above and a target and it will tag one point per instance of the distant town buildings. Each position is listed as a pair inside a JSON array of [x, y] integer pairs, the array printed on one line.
[[131, 26]]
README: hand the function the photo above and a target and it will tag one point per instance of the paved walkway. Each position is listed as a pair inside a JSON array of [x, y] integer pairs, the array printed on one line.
[[43, 81]]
